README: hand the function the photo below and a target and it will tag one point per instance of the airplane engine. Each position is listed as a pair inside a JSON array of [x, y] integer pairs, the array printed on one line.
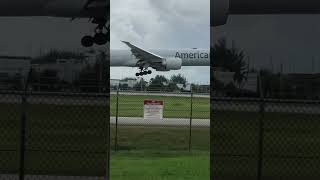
[[219, 12], [171, 64]]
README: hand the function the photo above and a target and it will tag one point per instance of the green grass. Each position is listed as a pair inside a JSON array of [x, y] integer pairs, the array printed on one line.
[[291, 145], [174, 107], [160, 138], [160, 166], [62, 140], [72, 140]]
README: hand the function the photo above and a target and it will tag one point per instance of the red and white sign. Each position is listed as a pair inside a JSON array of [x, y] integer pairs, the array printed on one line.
[[153, 109]]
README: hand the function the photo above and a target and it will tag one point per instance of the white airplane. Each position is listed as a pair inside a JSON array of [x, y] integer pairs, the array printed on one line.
[[96, 10], [160, 60], [221, 9]]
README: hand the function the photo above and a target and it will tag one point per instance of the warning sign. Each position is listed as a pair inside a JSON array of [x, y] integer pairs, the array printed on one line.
[[153, 109]]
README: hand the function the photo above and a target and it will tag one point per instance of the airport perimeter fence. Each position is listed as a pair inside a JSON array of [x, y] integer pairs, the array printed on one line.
[[185, 125], [261, 139], [46, 136]]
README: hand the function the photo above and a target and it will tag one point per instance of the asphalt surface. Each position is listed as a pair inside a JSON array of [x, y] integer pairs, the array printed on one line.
[[139, 121], [268, 107]]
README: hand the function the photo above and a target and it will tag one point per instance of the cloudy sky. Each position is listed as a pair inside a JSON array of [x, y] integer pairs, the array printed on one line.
[[27, 36], [272, 40], [155, 24]]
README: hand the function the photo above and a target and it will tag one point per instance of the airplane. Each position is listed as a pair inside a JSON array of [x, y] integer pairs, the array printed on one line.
[[160, 60], [96, 10], [221, 9]]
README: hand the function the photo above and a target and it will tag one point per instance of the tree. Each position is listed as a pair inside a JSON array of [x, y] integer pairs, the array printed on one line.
[[178, 79], [230, 59], [158, 82], [141, 85]]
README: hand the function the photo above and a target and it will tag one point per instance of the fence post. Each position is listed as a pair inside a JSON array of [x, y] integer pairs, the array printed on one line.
[[190, 125], [117, 115], [107, 177], [261, 131], [22, 137], [25, 84]]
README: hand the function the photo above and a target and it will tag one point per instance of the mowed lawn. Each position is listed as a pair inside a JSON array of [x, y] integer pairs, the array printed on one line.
[[72, 140], [174, 107], [291, 145], [60, 140], [132, 138], [160, 165]]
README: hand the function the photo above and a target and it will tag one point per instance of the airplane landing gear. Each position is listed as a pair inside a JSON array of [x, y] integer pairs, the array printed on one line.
[[143, 72], [100, 38]]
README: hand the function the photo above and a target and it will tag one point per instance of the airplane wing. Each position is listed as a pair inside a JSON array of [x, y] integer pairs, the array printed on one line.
[[144, 56]]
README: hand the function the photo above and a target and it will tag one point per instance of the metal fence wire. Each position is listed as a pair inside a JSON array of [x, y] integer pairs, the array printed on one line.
[[184, 127], [53, 135], [262, 139]]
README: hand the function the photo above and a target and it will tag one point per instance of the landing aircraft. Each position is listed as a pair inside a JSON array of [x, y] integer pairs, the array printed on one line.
[[160, 60], [96, 10], [221, 9]]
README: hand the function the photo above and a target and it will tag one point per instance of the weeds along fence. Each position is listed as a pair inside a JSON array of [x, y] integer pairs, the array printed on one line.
[[53, 135], [184, 127], [257, 139]]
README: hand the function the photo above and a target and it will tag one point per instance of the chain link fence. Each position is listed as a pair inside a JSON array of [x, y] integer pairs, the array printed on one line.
[[184, 127], [264, 139], [53, 135]]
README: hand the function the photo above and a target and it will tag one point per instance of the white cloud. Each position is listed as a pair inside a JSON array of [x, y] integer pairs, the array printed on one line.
[[161, 24]]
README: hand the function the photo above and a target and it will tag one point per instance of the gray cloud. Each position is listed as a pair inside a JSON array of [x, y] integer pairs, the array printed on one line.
[[162, 25], [272, 40], [30, 35]]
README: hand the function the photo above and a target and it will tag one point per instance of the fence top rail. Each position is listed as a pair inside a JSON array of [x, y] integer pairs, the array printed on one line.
[[265, 100], [156, 92], [45, 93]]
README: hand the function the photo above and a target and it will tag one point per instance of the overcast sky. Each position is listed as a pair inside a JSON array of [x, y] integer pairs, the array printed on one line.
[[272, 40], [165, 24], [27, 36]]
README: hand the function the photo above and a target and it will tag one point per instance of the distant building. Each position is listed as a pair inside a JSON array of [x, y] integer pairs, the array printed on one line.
[[13, 65], [12, 70], [114, 83], [304, 85], [183, 87], [128, 82], [223, 76], [251, 83], [123, 84], [67, 69], [227, 77]]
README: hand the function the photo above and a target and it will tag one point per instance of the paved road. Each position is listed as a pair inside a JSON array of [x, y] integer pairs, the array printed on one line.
[[139, 121], [293, 107], [269, 107]]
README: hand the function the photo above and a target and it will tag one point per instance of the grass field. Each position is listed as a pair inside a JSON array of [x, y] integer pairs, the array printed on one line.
[[161, 138], [160, 166], [160, 153], [63, 140], [174, 107], [291, 145], [72, 140], [75, 137]]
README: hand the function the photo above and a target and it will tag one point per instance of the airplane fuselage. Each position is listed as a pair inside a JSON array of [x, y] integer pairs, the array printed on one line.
[[189, 57]]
